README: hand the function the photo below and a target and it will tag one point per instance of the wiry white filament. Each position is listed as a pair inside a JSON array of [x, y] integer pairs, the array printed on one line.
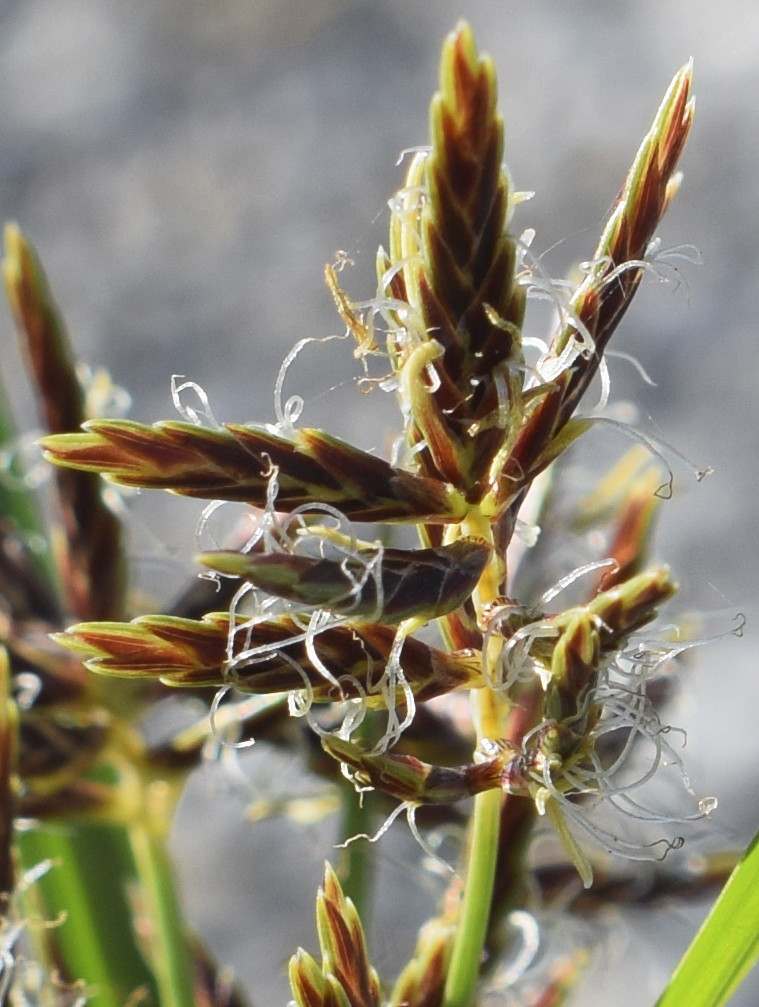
[[411, 332], [612, 843], [654, 261], [515, 663], [380, 831], [387, 278], [220, 735], [529, 931], [603, 373], [420, 149], [205, 516], [547, 288], [410, 808], [657, 448], [422, 842], [570, 578], [189, 413], [234, 627], [655, 653], [393, 679], [433, 377], [619, 355], [535, 343], [361, 564], [319, 620], [289, 413], [504, 404]]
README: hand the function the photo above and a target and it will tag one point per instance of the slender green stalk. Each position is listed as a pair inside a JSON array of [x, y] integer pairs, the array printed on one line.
[[488, 713], [169, 953], [356, 868], [464, 969]]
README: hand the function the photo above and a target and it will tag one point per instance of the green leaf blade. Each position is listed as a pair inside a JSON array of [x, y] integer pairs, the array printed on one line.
[[727, 945], [88, 891]]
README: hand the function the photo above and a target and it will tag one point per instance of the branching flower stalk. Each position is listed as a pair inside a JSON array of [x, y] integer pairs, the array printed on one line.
[[318, 615]]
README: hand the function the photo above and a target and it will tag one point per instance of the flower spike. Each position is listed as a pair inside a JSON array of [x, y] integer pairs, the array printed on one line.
[[415, 782], [602, 299], [267, 656], [237, 463], [421, 982], [346, 977], [404, 584], [460, 362], [90, 550], [343, 945], [619, 259]]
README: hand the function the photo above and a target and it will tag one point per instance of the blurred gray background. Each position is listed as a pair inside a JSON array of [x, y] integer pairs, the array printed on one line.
[[186, 168]]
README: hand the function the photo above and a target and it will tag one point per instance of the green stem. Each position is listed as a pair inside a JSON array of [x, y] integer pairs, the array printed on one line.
[[518, 816], [464, 968], [356, 865], [356, 868], [169, 954], [489, 714]]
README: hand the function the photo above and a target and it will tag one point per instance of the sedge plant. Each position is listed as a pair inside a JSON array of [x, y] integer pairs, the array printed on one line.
[[456, 680]]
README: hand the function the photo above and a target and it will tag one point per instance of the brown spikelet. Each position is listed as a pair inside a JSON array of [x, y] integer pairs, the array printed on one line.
[[91, 560], [187, 652], [610, 617], [403, 583], [344, 953], [628, 498], [345, 977], [308, 985], [213, 985], [462, 280], [627, 607], [422, 981], [237, 463], [559, 698], [649, 188], [409, 779], [632, 538], [602, 299]]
